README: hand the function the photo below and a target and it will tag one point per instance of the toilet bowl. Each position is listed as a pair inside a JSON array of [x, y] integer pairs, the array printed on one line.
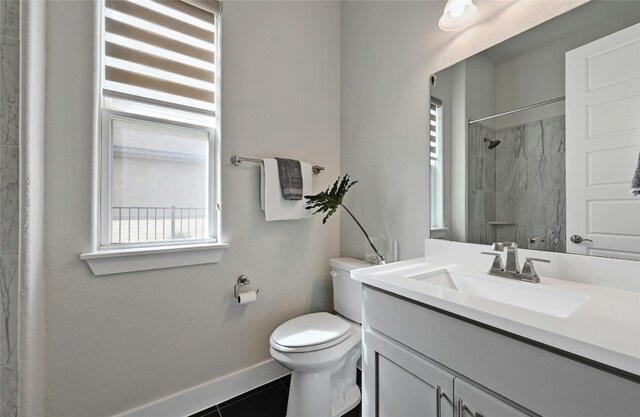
[[323, 349]]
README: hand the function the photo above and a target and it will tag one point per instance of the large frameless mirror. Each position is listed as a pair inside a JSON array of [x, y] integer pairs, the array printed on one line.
[[536, 139]]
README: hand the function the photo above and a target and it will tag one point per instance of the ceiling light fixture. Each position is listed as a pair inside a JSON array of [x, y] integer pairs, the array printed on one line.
[[457, 15]]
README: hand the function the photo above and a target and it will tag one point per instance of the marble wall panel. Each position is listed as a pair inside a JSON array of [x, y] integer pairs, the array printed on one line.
[[488, 154], [474, 139], [9, 390], [476, 206], [489, 206], [9, 319], [476, 173], [477, 233], [9, 190], [481, 184], [9, 89], [532, 138], [512, 145], [490, 234], [489, 174], [541, 233], [10, 18], [506, 233], [503, 206], [554, 135], [9, 203], [530, 182], [511, 174]]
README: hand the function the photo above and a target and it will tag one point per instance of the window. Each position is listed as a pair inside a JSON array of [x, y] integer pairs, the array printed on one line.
[[160, 110], [436, 164]]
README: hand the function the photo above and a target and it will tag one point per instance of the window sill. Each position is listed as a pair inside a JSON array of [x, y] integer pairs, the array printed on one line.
[[115, 261]]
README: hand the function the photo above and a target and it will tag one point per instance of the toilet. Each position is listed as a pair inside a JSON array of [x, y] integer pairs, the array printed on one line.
[[322, 350]]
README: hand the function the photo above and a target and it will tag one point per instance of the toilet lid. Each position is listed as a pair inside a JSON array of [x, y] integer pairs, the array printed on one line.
[[311, 330]]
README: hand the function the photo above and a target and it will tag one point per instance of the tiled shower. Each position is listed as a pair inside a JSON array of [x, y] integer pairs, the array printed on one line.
[[516, 191], [9, 202]]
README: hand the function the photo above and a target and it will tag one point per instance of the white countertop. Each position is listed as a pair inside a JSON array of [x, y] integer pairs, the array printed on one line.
[[605, 329]]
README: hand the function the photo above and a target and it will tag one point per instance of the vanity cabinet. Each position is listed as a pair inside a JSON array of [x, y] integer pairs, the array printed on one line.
[[419, 361], [410, 385]]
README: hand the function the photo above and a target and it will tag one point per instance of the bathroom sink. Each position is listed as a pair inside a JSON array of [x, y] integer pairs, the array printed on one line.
[[535, 297]]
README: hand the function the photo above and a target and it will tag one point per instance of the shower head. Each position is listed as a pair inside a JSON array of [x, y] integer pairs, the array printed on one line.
[[492, 143]]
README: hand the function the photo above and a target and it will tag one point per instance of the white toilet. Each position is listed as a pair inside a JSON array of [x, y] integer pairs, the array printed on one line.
[[322, 350]]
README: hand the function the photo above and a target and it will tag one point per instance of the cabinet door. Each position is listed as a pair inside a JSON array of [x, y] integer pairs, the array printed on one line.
[[472, 402], [400, 383]]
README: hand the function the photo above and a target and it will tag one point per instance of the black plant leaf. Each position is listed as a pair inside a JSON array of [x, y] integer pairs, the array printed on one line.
[[329, 200]]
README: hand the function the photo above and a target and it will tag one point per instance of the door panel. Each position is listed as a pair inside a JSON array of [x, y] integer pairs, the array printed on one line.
[[404, 384], [603, 143]]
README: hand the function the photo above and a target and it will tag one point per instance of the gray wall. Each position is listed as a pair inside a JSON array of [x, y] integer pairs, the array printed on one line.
[[118, 342], [9, 203]]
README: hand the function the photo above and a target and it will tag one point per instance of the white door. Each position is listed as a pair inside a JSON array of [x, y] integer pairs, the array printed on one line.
[[603, 143]]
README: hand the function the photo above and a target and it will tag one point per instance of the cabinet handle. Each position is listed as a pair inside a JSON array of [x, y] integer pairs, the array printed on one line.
[[439, 395], [459, 407]]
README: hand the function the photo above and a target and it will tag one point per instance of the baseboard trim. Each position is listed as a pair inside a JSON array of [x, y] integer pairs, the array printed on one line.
[[210, 393]]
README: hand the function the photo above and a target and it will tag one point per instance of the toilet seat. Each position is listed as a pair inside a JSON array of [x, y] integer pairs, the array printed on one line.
[[310, 332]]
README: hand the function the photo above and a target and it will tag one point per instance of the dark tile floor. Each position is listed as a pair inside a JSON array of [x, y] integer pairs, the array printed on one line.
[[269, 400]]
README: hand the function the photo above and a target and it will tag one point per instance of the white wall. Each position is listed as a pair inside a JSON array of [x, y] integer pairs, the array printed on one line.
[[481, 88], [117, 342], [458, 157], [531, 78], [389, 49]]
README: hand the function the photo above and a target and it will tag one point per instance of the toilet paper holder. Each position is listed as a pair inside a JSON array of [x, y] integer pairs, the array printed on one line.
[[243, 281]]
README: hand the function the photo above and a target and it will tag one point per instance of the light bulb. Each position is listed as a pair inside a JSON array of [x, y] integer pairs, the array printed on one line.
[[457, 14], [457, 10]]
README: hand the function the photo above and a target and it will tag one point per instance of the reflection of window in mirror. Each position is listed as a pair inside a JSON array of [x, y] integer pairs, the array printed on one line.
[[436, 165]]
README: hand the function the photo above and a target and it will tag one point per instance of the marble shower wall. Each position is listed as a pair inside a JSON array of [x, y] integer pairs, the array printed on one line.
[[481, 185], [9, 203], [519, 185], [530, 184]]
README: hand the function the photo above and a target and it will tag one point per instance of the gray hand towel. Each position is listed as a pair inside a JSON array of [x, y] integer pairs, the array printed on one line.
[[635, 182], [290, 175]]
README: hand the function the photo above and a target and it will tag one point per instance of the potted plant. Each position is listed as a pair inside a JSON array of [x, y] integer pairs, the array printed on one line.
[[330, 200]]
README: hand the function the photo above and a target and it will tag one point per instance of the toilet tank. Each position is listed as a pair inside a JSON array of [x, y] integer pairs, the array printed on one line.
[[347, 293]]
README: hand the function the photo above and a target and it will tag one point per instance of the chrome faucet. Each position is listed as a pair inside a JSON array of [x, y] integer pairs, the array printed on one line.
[[511, 269]]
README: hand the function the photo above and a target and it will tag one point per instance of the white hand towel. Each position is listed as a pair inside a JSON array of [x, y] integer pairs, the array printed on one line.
[[271, 201]]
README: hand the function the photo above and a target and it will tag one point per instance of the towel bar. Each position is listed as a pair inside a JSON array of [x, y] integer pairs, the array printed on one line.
[[236, 160]]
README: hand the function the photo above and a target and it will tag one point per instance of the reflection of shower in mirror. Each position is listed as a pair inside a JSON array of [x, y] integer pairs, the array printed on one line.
[[492, 143]]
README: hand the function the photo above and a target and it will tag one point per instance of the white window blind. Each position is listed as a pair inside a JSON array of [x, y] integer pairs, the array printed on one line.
[[436, 195], [433, 130], [162, 50]]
